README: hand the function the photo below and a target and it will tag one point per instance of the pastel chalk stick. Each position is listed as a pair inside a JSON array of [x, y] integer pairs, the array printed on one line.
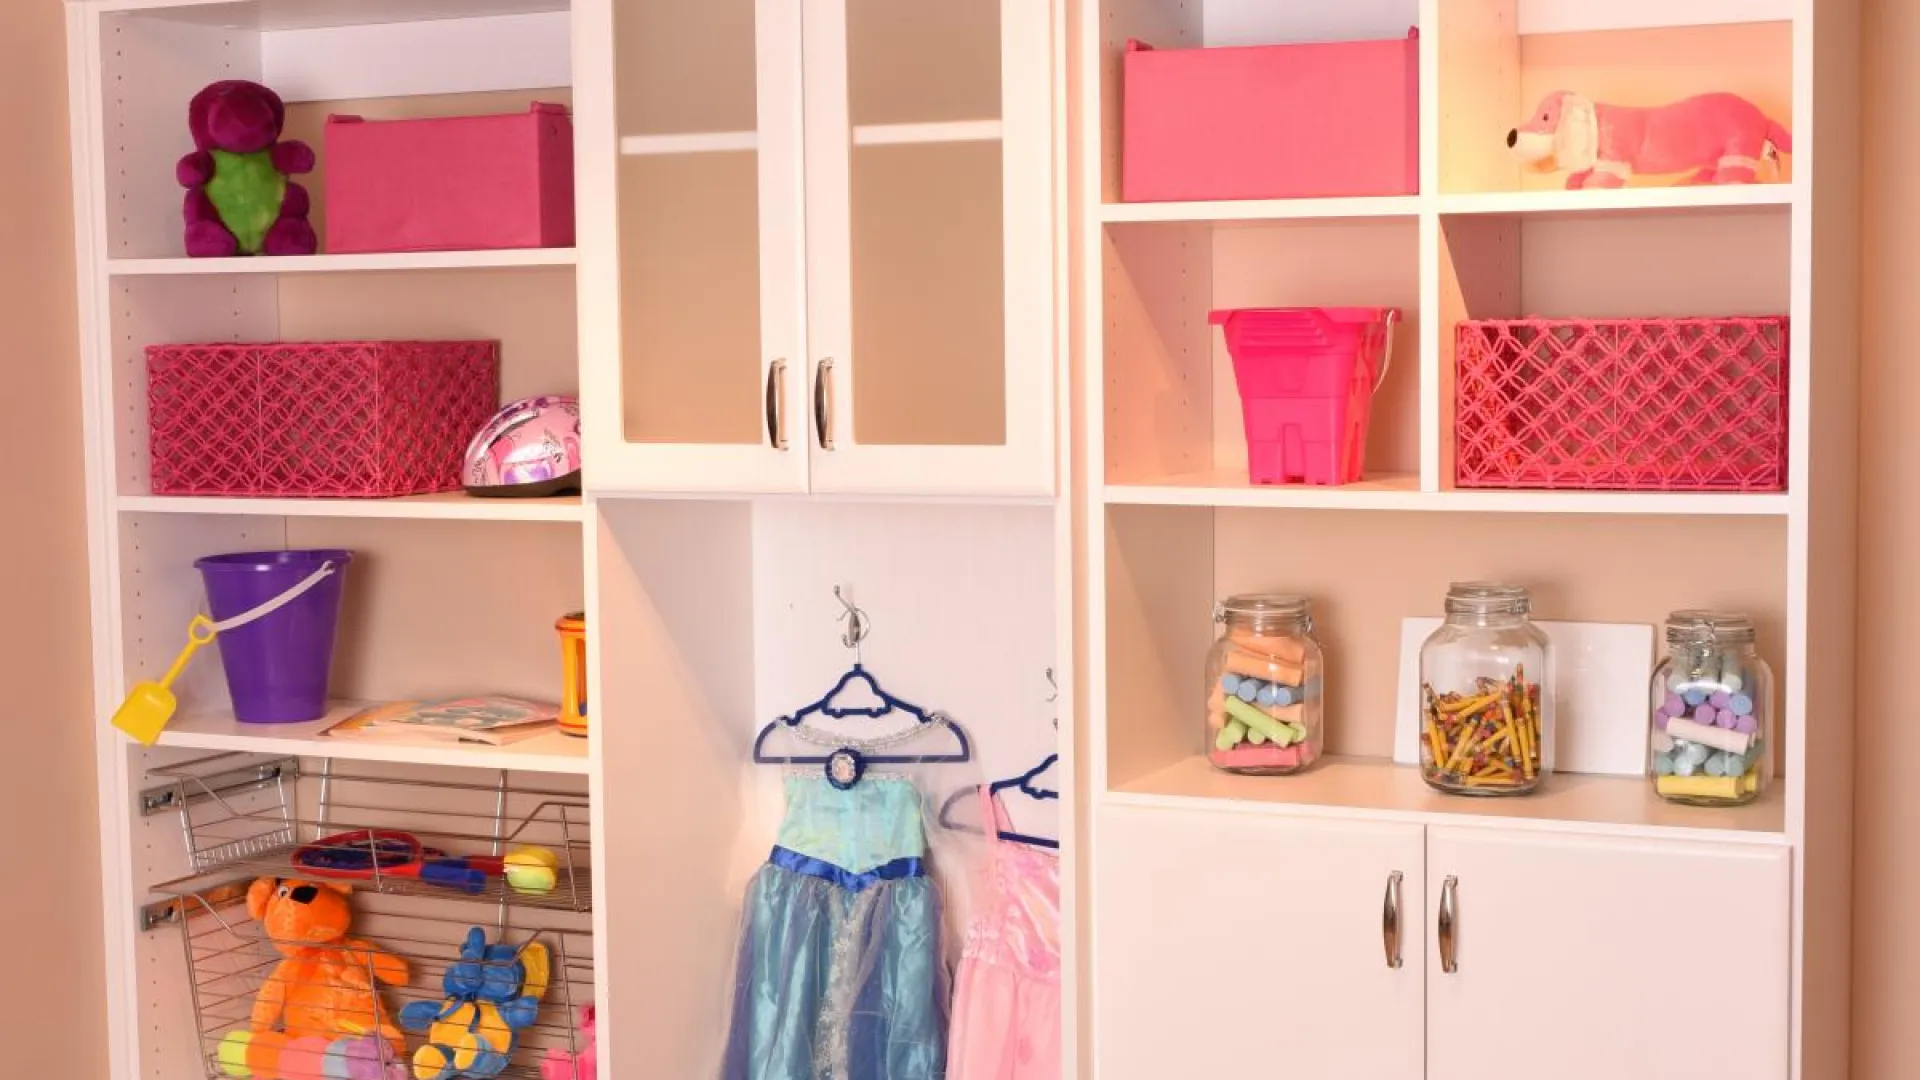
[[1260, 667], [1734, 742], [1662, 742], [1289, 650], [1261, 757], [1231, 734], [1704, 787], [1280, 731]]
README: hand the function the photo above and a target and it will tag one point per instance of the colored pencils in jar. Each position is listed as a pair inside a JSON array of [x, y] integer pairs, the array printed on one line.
[[1489, 738]]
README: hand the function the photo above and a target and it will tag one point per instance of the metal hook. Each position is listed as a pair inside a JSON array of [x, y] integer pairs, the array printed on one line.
[[857, 622]]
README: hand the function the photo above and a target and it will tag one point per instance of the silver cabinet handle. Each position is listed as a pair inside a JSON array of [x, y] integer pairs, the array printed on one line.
[[1449, 963], [823, 402], [1390, 921], [777, 404]]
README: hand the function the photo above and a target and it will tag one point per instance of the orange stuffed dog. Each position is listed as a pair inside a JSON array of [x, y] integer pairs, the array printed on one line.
[[325, 986]]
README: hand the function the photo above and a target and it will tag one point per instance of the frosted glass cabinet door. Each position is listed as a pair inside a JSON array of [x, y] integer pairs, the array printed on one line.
[[1244, 947], [930, 245], [708, 390], [1598, 959]]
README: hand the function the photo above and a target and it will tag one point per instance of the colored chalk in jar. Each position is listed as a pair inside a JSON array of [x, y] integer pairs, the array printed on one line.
[[1723, 718], [1704, 713], [1663, 764], [1284, 695], [1684, 765], [1733, 682], [1675, 705], [1694, 697], [1660, 720], [1746, 723], [1248, 690], [1230, 682], [1695, 752], [1256, 737], [1741, 704], [1266, 695], [1230, 736], [1718, 699]]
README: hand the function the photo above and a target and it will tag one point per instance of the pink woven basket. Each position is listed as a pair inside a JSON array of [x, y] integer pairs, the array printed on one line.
[[363, 419], [1621, 404]]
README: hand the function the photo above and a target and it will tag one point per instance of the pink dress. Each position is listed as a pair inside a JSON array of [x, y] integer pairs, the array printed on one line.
[[1006, 1014]]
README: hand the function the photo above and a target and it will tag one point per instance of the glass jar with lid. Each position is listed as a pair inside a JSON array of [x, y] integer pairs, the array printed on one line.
[[1486, 694], [1264, 681], [1712, 730]]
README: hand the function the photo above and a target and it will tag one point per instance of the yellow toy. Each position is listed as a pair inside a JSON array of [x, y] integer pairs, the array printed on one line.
[[492, 995], [533, 870], [150, 705]]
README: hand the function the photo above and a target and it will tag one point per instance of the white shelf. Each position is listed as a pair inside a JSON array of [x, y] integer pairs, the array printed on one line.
[[1690, 198], [452, 506], [1398, 206], [345, 264], [271, 15], [549, 753], [1230, 488], [1350, 787]]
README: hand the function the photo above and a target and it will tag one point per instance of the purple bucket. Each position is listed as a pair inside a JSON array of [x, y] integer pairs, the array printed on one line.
[[278, 665]]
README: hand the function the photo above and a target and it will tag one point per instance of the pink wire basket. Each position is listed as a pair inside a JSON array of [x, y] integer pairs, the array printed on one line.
[[345, 419], [1621, 404]]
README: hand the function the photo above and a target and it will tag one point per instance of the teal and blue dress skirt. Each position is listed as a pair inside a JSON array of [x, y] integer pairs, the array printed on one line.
[[841, 975]]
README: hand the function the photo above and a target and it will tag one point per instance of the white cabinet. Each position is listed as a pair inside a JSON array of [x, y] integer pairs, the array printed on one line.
[[1241, 947], [1594, 959], [1249, 946], [832, 267]]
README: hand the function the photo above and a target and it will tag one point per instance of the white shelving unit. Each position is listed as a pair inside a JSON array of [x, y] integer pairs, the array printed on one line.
[[1558, 895], [856, 303]]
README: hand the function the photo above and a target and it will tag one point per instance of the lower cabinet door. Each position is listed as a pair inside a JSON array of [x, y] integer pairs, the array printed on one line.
[[1244, 947], [1584, 958]]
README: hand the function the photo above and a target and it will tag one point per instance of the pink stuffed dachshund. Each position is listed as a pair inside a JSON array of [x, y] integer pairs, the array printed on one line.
[[1719, 138], [239, 198]]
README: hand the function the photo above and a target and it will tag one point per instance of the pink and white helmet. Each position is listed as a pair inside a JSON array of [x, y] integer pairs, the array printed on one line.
[[530, 448]]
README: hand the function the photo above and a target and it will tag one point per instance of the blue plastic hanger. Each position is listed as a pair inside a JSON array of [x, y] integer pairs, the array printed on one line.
[[1022, 783], [840, 760]]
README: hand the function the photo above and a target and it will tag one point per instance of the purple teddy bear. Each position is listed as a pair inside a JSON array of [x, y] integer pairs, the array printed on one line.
[[239, 198]]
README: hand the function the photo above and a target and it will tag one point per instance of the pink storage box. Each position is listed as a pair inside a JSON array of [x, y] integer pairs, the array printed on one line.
[[1306, 379], [1271, 121], [317, 418], [463, 183], [1621, 404]]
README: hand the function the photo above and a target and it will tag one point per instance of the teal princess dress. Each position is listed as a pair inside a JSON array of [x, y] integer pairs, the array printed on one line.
[[841, 974]]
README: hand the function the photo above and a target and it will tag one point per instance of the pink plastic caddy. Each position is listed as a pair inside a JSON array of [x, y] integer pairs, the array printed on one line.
[[1306, 378], [462, 183], [1272, 121]]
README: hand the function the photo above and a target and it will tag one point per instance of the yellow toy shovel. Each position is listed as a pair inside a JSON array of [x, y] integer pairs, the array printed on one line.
[[150, 705]]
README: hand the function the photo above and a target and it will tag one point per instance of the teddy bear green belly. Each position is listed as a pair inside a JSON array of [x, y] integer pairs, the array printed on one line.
[[248, 191]]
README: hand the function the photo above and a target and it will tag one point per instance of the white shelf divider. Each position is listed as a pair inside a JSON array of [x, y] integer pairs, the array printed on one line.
[[343, 264], [1230, 488], [1683, 199], [451, 506], [704, 142], [909, 134]]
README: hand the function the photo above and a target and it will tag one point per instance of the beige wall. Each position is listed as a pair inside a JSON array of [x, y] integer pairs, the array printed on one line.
[[1886, 935], [51, 1014]]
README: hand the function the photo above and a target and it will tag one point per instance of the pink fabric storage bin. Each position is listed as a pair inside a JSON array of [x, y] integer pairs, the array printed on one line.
[[1271, 121], [1307, 378], [462, 183]]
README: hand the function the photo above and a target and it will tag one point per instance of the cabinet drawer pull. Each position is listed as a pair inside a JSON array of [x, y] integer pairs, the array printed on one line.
[[823, 402], [777, 404], [1449, 962], [1390, 920]]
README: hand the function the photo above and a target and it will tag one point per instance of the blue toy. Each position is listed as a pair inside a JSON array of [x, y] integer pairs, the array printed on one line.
[[493, 994]]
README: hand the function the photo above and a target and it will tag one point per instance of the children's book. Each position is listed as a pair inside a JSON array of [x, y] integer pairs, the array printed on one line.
[[495, 721]]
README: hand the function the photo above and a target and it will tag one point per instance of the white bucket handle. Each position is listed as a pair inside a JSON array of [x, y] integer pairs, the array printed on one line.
[[304, 586], [1386, 350]]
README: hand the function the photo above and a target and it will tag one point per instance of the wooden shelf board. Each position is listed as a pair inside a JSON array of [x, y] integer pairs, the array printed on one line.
[[451, 506], [1398, 206], [1376, 787], [346, 264], [1685, 199], [1230, 488], [549, 753]]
